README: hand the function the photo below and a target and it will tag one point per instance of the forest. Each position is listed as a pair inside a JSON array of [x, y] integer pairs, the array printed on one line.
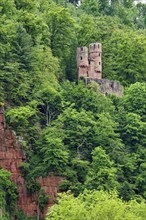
[[96, 142]]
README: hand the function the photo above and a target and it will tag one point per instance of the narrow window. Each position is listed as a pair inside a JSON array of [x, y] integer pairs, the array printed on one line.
[[81, 48], [94, 46], [99, 54], [98, 46], [99, 63], [112, 85], [81, 58]]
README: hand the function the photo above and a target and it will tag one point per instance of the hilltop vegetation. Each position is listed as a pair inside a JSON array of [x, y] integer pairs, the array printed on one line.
[[70, 129]]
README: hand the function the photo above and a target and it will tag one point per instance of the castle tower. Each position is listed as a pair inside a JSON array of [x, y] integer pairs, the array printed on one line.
[[82, 61], [95, 57]]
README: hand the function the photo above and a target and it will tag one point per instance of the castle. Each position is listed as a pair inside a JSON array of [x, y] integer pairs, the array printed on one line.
[[90, 69]]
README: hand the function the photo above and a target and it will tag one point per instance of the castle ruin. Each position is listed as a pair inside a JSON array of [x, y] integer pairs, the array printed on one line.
[[90, 65], [90, 68]]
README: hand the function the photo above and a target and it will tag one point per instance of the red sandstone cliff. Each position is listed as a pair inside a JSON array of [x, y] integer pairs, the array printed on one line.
[[11, 156]]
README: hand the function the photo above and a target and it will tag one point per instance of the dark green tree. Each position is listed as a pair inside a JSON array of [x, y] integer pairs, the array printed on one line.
[[90, 7], [141, 18], [18, 77], [104, 7], [8, 194]]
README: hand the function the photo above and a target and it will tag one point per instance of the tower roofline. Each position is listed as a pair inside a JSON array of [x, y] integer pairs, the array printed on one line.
[[82, 49], [95, 43]]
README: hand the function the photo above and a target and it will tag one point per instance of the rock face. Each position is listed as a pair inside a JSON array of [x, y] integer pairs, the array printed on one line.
[[11, 156]]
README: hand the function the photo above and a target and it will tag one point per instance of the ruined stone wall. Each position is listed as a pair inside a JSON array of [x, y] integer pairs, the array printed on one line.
[[107, 86], [11, 156]]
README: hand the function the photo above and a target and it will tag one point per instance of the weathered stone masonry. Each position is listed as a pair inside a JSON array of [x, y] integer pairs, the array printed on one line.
[[11, 156], [90, 66]]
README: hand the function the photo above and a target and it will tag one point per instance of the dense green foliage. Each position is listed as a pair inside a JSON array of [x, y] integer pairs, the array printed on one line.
[[8, 195], [67, 128], [96, 205]]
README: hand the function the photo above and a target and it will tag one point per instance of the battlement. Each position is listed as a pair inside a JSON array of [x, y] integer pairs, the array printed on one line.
[[95, 48]]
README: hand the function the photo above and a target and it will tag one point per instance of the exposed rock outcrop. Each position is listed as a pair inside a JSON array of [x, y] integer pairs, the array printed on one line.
[[11, 156]]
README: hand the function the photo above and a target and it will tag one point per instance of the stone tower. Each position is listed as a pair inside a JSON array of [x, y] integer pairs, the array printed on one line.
[[95, 59], [82, 61], [90, 65]]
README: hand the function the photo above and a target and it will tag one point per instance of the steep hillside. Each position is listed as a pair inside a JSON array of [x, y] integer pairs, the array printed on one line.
[[66, 128]]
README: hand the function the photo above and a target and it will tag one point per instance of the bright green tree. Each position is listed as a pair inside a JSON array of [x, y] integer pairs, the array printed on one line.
[[95, 205], [7, 8], [49, 103], [102, 173], [86, 98], [124, 57], [20, 118], [54, 154], [134, 99]]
